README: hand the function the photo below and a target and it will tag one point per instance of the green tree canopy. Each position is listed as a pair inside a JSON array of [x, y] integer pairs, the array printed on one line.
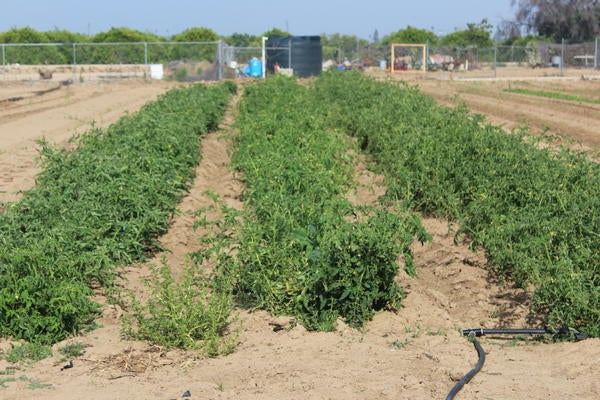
[[243, 40], [276, 32], [478, 35], [197, 35], [410, 34], [63, 36], [120, 35], [33, 54], [23, 35], [337, 46]]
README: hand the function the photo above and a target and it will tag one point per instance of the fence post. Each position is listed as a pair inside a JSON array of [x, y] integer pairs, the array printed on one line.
[[562, 57], [427, 56], [145, 53], [4, 54], [597, 53], [74, 69], [290, 53], [495, 59], [220, 60], [264, 57]]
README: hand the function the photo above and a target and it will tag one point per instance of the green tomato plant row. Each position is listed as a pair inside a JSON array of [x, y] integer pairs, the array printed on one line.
[[535, 210], [99, 206], [304, 249]]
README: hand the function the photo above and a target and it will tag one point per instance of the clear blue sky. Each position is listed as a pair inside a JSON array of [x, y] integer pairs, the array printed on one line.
[[300, 17]]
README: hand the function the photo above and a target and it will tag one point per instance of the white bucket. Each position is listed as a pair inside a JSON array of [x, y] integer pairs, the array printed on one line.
[[156, 71]]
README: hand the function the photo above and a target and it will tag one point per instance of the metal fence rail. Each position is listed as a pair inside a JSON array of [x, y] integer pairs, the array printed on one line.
[[217, 60], [96, 61]]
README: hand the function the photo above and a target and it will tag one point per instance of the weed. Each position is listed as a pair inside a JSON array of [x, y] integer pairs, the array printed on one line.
[[181, 74], [28, 352], [187, 314], [400, 344], [72, 350], [35, 385], [553, 95], [439, 332], [4, 381]]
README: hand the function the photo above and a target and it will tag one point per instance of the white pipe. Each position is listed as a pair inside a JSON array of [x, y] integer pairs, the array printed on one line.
[[264, 57]]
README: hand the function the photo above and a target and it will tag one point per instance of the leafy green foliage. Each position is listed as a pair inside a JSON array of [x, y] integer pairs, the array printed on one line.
[[477, 35], [276, 32], [194, 312], [71, 350], [302, 249], [23, 35], [535, 211], [189, 314], [28, 352], [243, 40], [33, 55], [196, 35], [410, 34], [100, 205], [337, 46], [208, 53], [553, 95]]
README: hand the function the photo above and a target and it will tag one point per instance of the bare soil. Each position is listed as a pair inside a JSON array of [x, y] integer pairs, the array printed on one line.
[[414, 353], [574, 123]]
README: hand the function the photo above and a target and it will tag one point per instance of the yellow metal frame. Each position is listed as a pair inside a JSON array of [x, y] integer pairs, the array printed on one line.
[[423, 61]]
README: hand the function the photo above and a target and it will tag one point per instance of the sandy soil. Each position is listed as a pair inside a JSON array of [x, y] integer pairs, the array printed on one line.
[[415, 353], [32, 111], [578, 123]]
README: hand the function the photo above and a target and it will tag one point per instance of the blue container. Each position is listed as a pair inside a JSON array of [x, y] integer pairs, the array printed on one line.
[[255, 68]]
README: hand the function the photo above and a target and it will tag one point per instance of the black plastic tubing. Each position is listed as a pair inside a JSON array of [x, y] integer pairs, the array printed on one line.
[[475, 333]]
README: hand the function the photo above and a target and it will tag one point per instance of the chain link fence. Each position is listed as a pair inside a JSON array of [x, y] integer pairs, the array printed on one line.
[[184, 61], [193, 61], [550, 57]]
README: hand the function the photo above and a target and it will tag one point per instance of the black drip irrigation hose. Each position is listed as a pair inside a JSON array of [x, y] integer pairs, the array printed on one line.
[[475, 333]]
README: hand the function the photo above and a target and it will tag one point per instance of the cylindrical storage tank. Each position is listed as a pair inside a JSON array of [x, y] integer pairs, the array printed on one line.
[[556, 61], [303, 54], [255, 68]]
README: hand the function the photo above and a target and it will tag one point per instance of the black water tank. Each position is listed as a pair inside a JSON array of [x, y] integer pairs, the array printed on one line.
[[305, 53]]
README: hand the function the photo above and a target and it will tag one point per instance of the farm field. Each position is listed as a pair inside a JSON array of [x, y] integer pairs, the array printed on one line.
[[37, 110], [414, 353], [574, 120]]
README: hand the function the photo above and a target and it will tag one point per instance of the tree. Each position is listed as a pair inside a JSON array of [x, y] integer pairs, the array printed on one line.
[[196, 35], [276, 32], [572, 20], [32, 54], [63, 36], [243, 40], [206, 50], [478, 35], [124, 35], [23, 35], [507, 32], [337, 46], [410, 35], [130, 51]]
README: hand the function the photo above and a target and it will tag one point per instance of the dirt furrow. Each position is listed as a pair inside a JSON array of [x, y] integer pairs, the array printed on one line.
[[416, 352], [513, 114], [57, 121]]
